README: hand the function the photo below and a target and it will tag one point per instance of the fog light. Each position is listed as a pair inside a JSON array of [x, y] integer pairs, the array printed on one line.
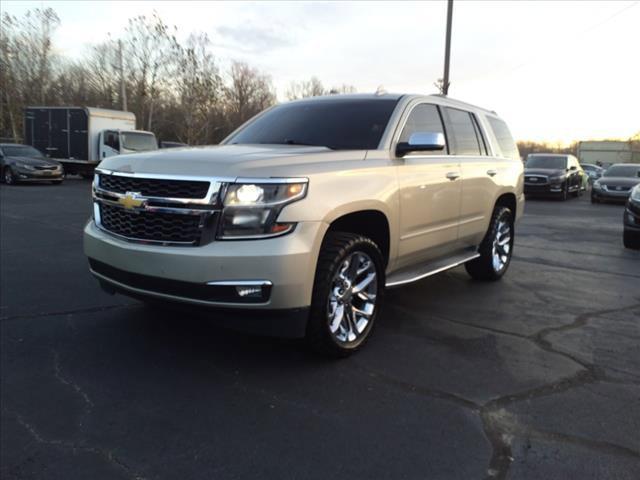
[[249, 292]]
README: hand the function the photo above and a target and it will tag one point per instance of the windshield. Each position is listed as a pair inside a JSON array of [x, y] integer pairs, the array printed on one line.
[[335, 124], [21, 151], [138, 142], [622, 171], [547, 161]]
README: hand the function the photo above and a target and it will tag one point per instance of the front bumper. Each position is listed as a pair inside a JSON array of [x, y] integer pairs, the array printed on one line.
[[38, 175], [181, 274], [543, 189], [610, 195], [631, 218]]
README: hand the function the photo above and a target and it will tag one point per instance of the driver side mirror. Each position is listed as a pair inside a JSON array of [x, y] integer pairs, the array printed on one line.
[[421, 142]]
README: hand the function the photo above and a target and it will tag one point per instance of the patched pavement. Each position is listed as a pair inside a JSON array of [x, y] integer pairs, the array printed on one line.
[[536, 376]]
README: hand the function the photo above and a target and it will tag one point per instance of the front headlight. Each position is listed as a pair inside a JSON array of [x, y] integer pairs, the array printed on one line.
[[597, 185], [635, 193], [24, 166], [556, 179], [251, 209]]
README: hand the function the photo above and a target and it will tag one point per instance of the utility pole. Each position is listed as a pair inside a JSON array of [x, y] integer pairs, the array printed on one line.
[[447, 49], [123, 90]]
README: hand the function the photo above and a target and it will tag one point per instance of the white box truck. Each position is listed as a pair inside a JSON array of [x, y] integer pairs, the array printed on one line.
[[81, 137]]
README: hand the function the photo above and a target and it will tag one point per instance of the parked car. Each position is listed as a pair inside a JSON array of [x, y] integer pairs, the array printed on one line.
[[616, 183], [594, 172], [22, 163], [631, 235], [552, 174], [300, 218]]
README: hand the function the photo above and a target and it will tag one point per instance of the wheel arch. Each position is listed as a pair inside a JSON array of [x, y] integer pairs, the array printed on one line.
[[509, 200], [370, 222]]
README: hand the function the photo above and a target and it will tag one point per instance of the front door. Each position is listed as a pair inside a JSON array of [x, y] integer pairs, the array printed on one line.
[[430, 189]]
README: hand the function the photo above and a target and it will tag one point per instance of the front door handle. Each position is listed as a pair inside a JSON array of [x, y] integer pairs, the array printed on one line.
[[492, 173], [453, 175]]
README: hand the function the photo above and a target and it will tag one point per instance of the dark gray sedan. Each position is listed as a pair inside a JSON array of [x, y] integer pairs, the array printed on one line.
[[22, 163], [616, 183]]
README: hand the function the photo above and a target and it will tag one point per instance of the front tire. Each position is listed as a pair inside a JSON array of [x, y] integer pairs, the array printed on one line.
[[496, 249], [347, 294], [564, 195], [9, 177]]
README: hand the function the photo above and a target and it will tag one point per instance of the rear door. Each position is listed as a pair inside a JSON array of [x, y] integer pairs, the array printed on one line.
[[479, 173], [430, 188], [59, 133], [78, 135], [37, 128]]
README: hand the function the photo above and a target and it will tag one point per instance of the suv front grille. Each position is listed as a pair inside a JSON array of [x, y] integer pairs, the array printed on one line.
[[536, 179], [151, 187], [151, 226]]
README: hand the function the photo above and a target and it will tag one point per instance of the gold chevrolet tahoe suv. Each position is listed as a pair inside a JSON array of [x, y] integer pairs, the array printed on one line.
[[297, 222]]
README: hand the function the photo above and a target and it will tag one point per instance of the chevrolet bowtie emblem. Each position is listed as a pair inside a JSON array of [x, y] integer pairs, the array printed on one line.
[[131, 200]]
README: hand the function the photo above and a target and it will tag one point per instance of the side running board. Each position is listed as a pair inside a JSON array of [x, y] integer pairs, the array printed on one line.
[[415, 273]]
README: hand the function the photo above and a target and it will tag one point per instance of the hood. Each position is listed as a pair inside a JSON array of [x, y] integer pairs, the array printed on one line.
[[549, 172], [34, 162], [231, 161], [619, 181]]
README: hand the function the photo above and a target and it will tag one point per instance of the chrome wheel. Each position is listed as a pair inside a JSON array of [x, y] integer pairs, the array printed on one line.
[[8, 176], [501, 250], [352, 297]]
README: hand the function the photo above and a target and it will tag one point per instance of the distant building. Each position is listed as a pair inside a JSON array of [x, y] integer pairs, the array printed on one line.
[[609, 151]]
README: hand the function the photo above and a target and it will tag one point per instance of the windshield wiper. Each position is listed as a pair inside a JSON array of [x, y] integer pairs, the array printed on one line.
[[288, 141]]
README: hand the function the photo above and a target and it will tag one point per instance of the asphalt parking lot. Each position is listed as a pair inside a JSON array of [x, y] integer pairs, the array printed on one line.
[[536, 376]]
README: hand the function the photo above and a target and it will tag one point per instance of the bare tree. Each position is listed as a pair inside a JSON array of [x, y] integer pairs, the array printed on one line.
[[306, 88], [342, 89], [27, 61], [199, 89], [247, 93], [149, 50]]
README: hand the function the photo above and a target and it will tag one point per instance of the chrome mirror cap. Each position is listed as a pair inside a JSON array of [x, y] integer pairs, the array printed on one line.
[[421, 142]]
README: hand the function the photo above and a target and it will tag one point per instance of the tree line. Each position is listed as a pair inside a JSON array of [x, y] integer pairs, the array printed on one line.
[[175, 88]]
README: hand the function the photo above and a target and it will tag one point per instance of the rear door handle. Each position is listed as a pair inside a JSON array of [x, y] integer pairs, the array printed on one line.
[[492, 173], [453, 175]]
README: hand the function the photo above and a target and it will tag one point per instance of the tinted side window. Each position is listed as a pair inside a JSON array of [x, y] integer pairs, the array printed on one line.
[[461, 132], [481, 140], [503, 136], [423, 118]]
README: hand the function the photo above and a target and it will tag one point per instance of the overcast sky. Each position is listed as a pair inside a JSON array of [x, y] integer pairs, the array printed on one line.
[[555, 71]]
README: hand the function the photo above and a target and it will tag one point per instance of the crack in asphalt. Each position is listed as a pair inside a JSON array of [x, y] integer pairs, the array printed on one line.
[[499, 426], [65, 312], [88, 404], [547, 263], [106, 455]]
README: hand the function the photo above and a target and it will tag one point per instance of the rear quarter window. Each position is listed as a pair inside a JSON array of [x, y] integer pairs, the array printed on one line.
[[507, 146]]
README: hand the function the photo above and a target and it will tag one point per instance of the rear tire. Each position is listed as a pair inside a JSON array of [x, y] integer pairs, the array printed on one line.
[[496, 249], [631, 240], [347, 294], [9, 177]]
